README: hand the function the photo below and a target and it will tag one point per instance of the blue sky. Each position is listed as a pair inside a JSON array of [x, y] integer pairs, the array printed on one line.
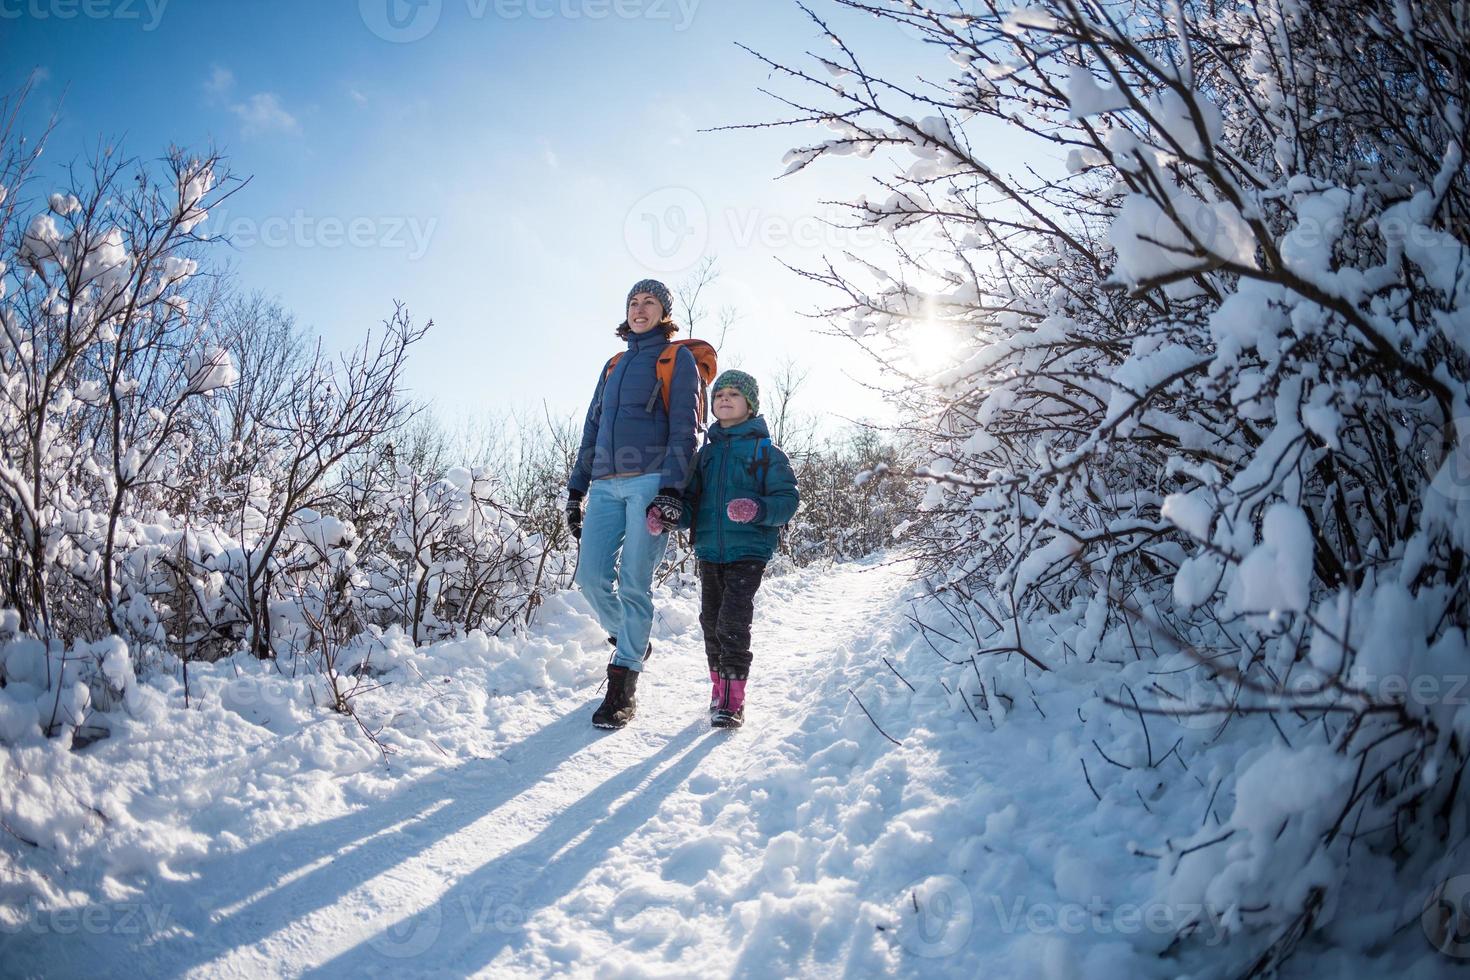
[[507, 168]]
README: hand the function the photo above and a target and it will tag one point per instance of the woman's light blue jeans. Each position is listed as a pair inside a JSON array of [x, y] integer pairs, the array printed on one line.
[[615, 522]]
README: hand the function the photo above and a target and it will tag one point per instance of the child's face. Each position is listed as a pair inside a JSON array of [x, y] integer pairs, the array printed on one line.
[[730, 406]]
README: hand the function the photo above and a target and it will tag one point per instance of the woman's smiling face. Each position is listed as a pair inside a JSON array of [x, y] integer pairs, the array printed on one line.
[[644, 312]]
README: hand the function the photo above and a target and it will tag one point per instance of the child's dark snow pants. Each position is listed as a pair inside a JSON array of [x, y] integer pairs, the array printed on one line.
[[727, 605]]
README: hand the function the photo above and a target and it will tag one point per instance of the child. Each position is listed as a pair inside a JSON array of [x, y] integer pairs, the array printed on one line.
[[741, 491]]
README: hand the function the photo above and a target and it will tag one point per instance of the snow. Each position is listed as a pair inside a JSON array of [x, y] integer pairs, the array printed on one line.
[[255, 833], [195, 180], [1173, 116], [1197, 235], [1087, 98], [64, 204], [41, 238], [1191, 512], [1276, 575], [1307, 248], [211, 369], [503, 834], [1282, 782]]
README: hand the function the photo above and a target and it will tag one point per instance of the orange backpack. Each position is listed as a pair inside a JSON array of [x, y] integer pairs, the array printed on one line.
[[705, 359]]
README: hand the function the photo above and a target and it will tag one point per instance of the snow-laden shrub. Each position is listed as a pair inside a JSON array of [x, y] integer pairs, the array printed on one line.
[[102, 354], [181, 476], [456, 559], [1207, 396], [845, 514]]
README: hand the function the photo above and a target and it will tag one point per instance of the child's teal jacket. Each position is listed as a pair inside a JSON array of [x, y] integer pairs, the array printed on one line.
[[740, 461]]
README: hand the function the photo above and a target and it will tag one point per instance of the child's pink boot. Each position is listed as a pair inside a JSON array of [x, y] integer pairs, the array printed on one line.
[[717, 692], [731, 713]]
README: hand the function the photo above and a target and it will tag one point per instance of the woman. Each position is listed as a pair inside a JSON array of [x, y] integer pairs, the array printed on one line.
[[636, 453]]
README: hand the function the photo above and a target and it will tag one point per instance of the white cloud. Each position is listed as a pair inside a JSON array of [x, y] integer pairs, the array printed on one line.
[[263, 113], [357, 96], [258, 114], [39, 75], [220, 81]]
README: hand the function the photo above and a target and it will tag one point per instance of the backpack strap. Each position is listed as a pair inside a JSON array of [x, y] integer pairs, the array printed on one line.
[[663, 369], [607, 371], [665, 377], [763, 461]]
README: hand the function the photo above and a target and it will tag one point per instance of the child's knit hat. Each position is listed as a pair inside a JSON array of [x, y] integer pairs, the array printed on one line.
[[742, 383]]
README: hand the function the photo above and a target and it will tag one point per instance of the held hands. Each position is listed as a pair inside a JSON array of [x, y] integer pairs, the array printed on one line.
[[574, 513], [743, 510], [664, 513]]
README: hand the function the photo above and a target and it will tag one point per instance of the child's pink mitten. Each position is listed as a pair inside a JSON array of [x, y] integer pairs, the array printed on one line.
[[742, 510]]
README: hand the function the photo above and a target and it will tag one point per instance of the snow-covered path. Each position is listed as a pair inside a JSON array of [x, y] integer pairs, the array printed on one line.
[[251, 834], [569, 849]]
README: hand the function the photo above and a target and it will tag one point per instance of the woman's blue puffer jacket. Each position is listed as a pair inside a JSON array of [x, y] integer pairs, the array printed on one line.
[[628, 431]]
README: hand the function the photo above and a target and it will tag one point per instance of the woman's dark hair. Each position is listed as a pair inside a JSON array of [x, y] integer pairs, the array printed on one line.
[[669, 327]]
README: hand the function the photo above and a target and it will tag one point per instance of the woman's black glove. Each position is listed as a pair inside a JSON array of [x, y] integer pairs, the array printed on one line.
[[574, 513], [665, 510]]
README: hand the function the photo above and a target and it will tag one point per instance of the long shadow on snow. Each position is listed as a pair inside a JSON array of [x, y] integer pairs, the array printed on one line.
[[484, 912], [466, 793]]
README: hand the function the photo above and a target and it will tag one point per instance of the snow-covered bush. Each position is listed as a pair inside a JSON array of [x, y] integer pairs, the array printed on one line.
[[102, 357], [455, 558], [845, 514], [181, 477], [1208, 396]]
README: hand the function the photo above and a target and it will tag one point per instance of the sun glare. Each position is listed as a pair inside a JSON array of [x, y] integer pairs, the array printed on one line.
[[930, 344]]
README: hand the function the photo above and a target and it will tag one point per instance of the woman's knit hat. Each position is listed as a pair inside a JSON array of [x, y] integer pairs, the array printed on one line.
[[655, 289], [742, 383]]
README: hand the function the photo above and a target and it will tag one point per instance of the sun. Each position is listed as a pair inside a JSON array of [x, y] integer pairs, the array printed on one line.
[[931, 344]]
